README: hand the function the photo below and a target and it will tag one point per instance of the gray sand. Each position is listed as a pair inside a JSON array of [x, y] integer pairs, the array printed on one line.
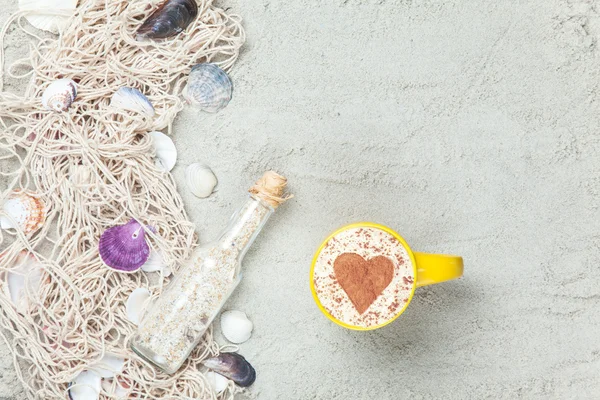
[[471, 127]]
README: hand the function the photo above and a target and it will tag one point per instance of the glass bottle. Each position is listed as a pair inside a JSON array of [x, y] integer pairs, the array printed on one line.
[[175, 324]]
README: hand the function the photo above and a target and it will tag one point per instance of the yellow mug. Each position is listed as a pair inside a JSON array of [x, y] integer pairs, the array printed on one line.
[[427, 269]]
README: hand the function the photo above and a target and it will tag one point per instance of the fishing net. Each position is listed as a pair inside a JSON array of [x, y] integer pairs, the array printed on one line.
[[93, 167]]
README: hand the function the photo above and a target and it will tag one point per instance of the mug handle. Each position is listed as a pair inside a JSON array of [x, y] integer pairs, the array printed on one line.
[[437, 268]]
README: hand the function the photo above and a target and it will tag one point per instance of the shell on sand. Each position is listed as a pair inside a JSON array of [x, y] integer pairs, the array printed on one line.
[[200, 180], [209, 88]]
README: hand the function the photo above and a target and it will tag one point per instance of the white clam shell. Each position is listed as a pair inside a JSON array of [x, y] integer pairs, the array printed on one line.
[[86, 386], [116, 391], [131, 99], [165, 151], [136, 304], [48, 15], [156, 263], [235, 326], [108, 366], [217, 381], [24, 281], [200, 180], [208, 88], [59, 95]]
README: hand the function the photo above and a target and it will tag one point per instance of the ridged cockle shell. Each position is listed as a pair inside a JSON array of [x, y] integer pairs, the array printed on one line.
[[200, 180], [208, 88], [59, 95], [27, 211], [124, 248], [169, 19]]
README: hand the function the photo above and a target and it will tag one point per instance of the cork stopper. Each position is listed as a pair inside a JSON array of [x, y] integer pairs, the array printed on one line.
[[270, 189]]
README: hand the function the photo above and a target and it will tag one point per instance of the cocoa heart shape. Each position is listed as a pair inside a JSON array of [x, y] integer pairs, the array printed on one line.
[[362, 280]]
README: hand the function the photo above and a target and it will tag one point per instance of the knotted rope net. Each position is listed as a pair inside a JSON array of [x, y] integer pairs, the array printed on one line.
[[93, 168]]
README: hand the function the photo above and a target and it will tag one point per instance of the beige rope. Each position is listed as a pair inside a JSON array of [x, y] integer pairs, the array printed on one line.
[[93, 167]]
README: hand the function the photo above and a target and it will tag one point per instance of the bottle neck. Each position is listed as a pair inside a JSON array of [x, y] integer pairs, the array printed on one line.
[[244, 226]]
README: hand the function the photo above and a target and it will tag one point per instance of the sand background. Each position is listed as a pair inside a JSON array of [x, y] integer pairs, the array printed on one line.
[[471, 127]]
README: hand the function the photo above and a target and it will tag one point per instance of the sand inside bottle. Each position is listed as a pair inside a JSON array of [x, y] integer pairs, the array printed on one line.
[[174, 325]]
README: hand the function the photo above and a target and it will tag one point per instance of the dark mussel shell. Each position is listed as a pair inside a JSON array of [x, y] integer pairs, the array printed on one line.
[[169, 19], [234, 367]]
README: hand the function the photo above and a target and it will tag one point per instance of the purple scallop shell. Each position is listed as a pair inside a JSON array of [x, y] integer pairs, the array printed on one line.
[[124, 247]]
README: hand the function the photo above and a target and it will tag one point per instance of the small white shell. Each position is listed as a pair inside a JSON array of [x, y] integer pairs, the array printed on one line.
[[86, 386], [80, 174], [208, 88], [156, 263], [24, 280], [200, 180], [131, 99], [165, 151], [119, 391], [236, 326], [24, 209], [108, 366], [59, 95], [217, 381], [136, 304], [44, 13]]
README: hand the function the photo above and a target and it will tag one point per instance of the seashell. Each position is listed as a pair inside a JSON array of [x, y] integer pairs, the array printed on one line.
[[24, 209], [200, 180], [169, 19], [165, 150], [217, 382], [232, 366], [108, 366], [120, 390], [23, 280], [131, 99], [236, 326], [136, 304], [86, 386], [59, 95], [80, 175], [208, 88], [48, 15], [124, 248], [156, 263]]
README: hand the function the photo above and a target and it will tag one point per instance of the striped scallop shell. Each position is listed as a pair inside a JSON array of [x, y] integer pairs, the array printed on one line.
[[59, 95], [27, 211], [209, 88], [123, 248]]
